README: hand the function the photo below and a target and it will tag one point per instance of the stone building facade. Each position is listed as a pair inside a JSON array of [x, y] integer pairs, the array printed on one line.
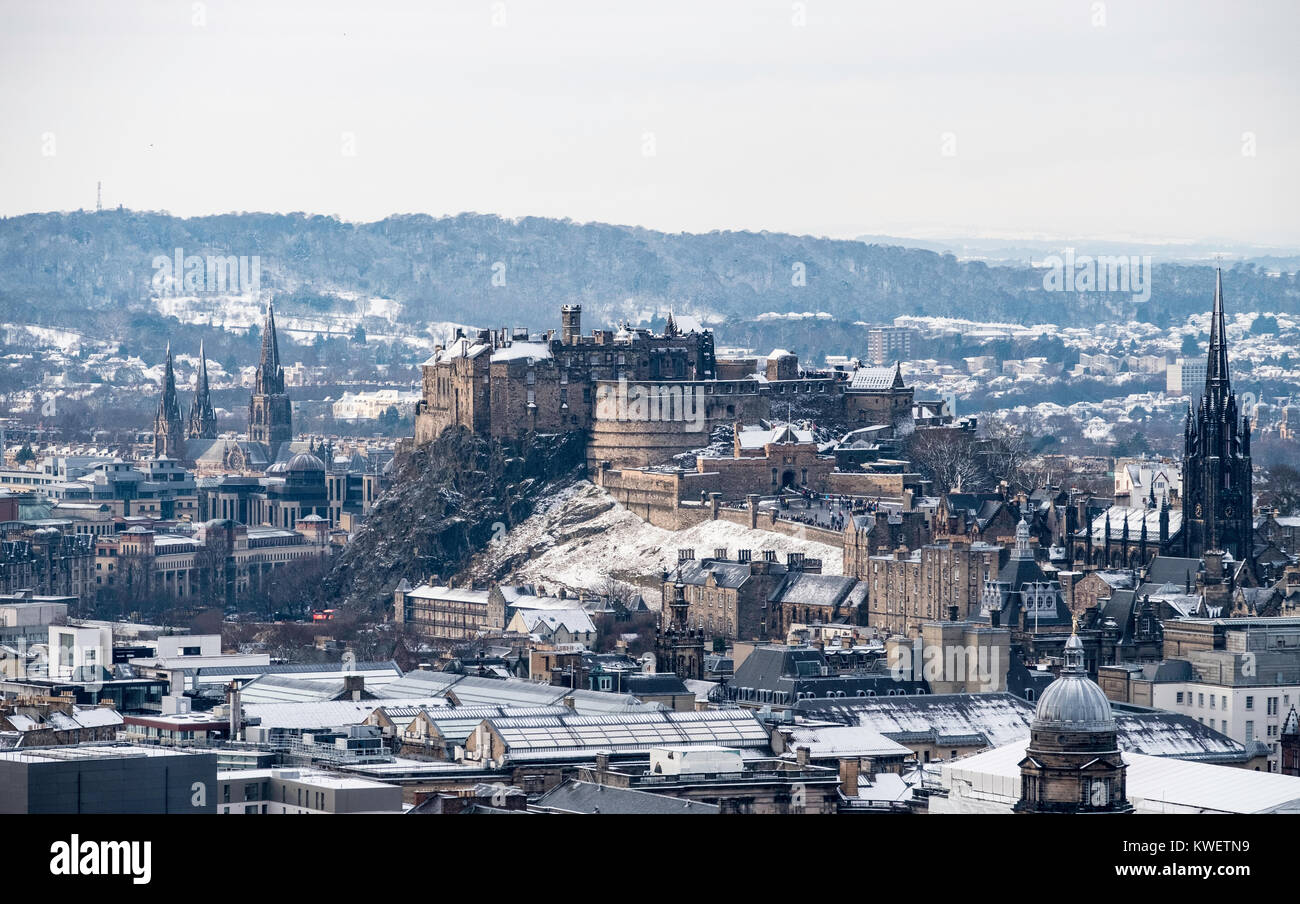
[[642, 396], [908, 588], [730, 597]]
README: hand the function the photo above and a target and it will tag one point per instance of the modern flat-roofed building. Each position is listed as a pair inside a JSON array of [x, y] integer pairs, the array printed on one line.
[[109, 778], [302, 791]]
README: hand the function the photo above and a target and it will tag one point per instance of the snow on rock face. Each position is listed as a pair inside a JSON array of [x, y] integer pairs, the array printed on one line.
[[582, 535]]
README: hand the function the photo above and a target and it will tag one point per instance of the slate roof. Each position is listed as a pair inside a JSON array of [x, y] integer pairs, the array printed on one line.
[[1134, 516], [696, 572], [803, 589], [657, 685], [952, 719], [787, 673], [585, 797], [834, 741], [1172, 570]]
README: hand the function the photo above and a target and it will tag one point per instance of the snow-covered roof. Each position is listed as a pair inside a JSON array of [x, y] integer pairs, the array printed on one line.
[[517, 350], [758, 437], [460, 348], [1155, 784], [88, 717], [825, 742], [872, 378], [1134, 515], [439, 592], [329, 713], [884, 787], [577, 621]]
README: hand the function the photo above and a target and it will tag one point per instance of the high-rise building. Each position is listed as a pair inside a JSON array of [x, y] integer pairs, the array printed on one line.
[[270, 415], [889, 343], [1216, 458]]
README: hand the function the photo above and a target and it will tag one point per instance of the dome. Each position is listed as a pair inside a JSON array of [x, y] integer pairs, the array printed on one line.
[[278, 467], [1073, 701], [305, 461]]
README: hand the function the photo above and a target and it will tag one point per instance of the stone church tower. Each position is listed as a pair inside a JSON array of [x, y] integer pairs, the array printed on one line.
[[1073, 763], [168, 431], [270, 415], [1216, 459], [203, 417], [679, 648]]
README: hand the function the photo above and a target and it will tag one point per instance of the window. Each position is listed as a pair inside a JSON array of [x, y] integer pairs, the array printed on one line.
[[1250, 703], [1179, 699], [1200, 700], [1250, 731]]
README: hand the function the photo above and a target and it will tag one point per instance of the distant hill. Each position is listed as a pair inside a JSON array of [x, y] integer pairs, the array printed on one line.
[[59, 269]]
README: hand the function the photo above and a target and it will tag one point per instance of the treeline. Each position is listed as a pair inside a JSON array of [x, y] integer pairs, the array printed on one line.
[[55, 267]]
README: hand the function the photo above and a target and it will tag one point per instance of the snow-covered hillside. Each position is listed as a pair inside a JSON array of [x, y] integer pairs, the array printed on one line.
[[581, 536]]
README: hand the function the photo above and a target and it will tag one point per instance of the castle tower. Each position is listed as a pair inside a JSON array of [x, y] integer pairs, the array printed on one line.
[[1073, 763], [168, 432], [1216, 458], [571, 324], [203, 418], [270, 415]]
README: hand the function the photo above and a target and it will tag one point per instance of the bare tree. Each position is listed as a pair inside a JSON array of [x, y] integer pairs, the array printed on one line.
[[1006, 455], [1281, 488], [946, 456]]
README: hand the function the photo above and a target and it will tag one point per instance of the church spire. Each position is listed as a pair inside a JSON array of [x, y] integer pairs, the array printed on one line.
[[203, 417], [270, 414], [168, 437], [270, 361], [1217, 378], [1217, 477]]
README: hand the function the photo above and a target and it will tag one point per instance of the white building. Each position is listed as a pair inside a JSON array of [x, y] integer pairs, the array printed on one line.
[[1137, 478], [79, 651], [355, 406], [1186, 376]]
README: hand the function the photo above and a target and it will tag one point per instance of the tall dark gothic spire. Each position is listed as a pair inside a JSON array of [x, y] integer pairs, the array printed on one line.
[[270, 414], [270, 376], [1217, 477], [168, 435], [203, 418], [1217, 379]]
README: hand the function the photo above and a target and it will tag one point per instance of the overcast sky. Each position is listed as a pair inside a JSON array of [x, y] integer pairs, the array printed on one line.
[[1073, 119]]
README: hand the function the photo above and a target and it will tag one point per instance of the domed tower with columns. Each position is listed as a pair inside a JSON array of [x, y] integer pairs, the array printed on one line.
[[1073, 763]]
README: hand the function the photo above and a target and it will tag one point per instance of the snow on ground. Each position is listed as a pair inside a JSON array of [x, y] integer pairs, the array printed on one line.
[[581, 535]]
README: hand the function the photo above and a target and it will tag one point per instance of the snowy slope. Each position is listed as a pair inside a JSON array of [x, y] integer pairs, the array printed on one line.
[[581, 536]]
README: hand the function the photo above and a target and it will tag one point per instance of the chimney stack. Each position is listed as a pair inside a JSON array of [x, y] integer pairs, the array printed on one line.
[[850, 767]]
